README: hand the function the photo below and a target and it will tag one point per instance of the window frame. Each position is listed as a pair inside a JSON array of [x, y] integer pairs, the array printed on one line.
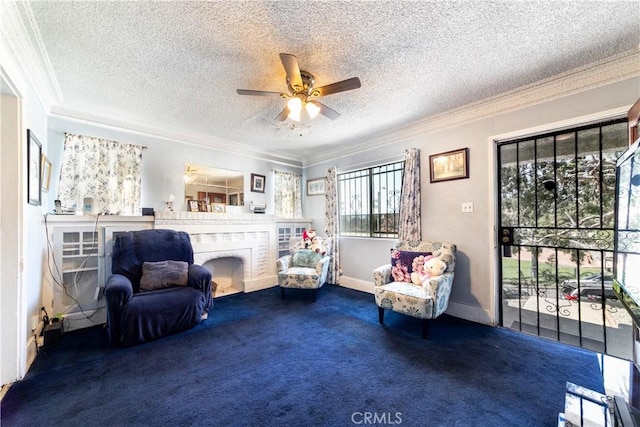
[[371, 221]]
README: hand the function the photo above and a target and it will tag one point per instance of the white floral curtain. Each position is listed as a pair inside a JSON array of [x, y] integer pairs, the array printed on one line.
[[288, 195], [332, 224], [410, 211], [107, 171]]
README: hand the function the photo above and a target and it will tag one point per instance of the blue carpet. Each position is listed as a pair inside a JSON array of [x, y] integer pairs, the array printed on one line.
[[260, 361]]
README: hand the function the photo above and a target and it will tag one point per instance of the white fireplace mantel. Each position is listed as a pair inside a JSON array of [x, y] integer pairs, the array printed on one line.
[[250, 237]]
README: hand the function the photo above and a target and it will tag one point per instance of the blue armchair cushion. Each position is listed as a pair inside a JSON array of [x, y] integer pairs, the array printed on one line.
[[403, 263], [306, 258], [163, 274]]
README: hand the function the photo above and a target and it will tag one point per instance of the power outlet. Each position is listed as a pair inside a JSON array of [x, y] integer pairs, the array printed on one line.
[[467, 207]]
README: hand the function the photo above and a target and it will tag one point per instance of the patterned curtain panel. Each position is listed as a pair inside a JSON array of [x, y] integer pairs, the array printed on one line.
[[332, 224], [108, 171], [288, 195], [410, 216]]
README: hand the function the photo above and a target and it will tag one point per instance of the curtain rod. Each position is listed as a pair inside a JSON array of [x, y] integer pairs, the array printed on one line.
[[144, 147]]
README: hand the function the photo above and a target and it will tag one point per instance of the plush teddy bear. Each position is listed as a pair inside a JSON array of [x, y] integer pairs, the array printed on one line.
[[317, 245], [434, 267], [307, 237]]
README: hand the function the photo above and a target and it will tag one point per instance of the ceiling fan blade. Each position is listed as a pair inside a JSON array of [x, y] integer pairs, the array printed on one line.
[[326, 111], [349, 84], [283, 115], [290, 64], [257, 92]]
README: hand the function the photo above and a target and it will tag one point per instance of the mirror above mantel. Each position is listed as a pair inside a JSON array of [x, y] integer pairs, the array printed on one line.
[[214, 185]]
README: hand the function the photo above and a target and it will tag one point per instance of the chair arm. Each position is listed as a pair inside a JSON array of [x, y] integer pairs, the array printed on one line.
[[118, 291], [200, 279], [283, 263], [382, 275], [439, 288], [322, 267]]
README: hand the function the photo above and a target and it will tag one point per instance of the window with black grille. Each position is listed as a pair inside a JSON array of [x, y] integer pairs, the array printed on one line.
[[370, 201]]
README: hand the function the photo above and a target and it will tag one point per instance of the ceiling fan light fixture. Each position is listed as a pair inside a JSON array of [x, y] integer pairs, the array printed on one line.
[[312, 109]]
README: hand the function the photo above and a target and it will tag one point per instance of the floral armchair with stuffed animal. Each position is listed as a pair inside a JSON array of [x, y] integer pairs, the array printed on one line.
[[418, 280], [306, 266]]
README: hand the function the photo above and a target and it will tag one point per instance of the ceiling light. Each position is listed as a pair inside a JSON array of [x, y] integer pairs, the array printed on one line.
[[312, 109], [294, 115]]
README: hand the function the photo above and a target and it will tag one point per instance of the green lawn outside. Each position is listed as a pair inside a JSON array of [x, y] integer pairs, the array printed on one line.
[[546, 271]]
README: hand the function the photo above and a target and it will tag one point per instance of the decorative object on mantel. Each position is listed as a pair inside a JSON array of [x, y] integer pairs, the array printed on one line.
[[257, 183], [193, 206], [168, 205], [258, 209], [449, 165], [34, 183], [218, 207], [315, 187]]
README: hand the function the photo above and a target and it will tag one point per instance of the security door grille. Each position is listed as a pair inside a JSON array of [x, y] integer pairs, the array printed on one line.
[[556, 222]]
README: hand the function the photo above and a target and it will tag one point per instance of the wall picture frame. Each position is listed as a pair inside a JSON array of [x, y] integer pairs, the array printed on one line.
[[218, 207], [34, 172], [449, 165], [315, 187], [257, 183], [45, 172]]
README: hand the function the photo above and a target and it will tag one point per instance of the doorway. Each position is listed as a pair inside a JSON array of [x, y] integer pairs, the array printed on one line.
[[556, 203]]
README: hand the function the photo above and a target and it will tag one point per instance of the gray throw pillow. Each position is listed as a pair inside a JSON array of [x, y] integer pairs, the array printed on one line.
[[163, 274]]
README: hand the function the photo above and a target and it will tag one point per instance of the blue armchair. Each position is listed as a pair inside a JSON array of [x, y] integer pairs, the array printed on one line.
[[155, 288]]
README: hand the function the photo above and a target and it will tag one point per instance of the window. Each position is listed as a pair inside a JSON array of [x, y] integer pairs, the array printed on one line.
[[107, 171], [370, 201]]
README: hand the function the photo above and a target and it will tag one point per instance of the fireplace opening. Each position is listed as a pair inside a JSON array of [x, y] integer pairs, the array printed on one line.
[[228, 274]]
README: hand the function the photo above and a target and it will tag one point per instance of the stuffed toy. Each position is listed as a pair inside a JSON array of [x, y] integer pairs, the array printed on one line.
[[317, 245], [307, 237], [432, 267]]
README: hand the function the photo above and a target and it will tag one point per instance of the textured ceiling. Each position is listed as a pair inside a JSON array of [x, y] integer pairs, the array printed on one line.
[[173, 67]]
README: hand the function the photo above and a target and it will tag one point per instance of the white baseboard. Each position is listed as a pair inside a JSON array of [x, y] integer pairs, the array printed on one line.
[[260, 284], [471, 313], [462, 311], [357, 284]]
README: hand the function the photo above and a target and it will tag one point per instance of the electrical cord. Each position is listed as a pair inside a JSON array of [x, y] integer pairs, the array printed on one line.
[[78, 274]]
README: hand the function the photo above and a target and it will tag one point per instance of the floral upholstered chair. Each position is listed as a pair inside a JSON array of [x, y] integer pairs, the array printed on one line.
[[303, 268], [406, 287]]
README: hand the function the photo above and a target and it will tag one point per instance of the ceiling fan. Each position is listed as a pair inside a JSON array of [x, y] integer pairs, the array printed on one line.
[[302, 92]]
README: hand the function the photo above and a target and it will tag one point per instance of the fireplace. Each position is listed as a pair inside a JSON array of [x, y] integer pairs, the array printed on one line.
[[239, 248]]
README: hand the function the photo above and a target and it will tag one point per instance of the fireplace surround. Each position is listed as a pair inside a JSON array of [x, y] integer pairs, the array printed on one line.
[[249, 238]]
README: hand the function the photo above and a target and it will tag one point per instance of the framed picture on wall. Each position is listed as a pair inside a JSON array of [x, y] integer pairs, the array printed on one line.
[[45, 172], [450, 165], [315, 187], [34, 173], [257, 183]]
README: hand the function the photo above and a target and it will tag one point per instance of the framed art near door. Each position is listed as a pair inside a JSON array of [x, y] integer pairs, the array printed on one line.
[[34, 174]]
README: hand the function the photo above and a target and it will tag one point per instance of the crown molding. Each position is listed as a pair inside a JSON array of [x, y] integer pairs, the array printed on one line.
[[187, 138], [602, 73], [25, 43]]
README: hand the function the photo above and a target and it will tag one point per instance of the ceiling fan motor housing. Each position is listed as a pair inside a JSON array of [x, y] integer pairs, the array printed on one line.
[[307, 83]]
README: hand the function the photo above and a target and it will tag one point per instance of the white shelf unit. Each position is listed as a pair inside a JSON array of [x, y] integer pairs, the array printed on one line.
[[287, 230], [79, 264]]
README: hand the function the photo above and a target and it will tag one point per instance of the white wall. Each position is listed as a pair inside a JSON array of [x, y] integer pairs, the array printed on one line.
[[23, 301], [163, 163], [473, 292]]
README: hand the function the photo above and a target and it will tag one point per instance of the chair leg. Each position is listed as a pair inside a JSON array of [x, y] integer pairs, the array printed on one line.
[[425, 328], [282, 293], [381, 315]]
